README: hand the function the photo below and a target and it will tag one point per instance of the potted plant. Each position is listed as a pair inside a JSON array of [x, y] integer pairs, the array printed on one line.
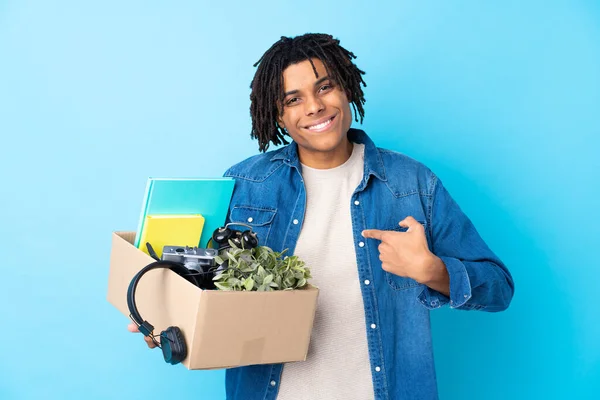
[[259, 269]]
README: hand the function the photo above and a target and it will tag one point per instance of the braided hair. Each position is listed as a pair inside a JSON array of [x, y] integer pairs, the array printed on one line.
[[267, 92]]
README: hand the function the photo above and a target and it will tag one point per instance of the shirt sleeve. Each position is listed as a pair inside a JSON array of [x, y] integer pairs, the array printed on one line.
[[479, 280]]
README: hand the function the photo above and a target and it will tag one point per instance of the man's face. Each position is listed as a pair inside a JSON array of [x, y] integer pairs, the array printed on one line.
[[316, 114]]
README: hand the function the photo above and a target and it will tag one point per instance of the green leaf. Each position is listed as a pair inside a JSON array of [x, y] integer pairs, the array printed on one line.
[[245, 268], [289, 282], [222, 286], [233, 281], [232, 259], [268, 279], [249, 283]]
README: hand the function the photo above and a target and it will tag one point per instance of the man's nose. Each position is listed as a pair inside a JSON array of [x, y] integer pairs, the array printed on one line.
[[313, 105]]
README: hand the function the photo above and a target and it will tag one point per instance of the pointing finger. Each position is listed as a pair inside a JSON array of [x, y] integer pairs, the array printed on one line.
[[373, 233]]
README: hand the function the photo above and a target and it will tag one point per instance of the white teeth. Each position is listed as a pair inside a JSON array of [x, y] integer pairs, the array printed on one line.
[[320, 126]]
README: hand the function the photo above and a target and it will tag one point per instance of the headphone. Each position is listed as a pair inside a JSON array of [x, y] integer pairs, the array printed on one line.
[[172, 341], [246, 239]]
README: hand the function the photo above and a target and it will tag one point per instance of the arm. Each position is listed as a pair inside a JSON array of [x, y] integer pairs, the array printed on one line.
[[477, 278]]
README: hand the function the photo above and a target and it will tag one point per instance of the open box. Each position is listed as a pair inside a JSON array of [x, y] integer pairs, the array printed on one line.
[[222, 329]]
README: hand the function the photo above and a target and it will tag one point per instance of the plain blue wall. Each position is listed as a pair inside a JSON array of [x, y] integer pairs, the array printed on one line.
[[500, 98]]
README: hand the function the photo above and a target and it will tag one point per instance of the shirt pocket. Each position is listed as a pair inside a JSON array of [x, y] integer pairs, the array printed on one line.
[[400, 282], [260, 219]]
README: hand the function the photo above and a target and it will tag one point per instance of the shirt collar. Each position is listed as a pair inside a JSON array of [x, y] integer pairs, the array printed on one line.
[[373, 162]]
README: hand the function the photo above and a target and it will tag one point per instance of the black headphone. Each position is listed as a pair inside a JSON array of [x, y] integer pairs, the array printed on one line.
[[172, 341], [246, 239]]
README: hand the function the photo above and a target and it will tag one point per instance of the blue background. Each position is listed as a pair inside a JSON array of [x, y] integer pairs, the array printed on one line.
[[499, 98]]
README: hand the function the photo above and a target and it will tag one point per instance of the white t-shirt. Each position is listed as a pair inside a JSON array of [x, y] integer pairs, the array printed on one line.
[[337, 365]]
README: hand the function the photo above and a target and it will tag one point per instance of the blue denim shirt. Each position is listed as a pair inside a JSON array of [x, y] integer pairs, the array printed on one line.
[[269, 192]]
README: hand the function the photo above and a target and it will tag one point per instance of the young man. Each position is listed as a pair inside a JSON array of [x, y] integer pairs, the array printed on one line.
[[385, 241]]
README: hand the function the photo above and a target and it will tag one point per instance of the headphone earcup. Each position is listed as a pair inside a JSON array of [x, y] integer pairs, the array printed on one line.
[[221, 236], [249, 239], [173, 345]]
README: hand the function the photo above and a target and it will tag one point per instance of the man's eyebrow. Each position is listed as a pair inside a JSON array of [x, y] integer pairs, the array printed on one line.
[[323, 79], [317, 83]]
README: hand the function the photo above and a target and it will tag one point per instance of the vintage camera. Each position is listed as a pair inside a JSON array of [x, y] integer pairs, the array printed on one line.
[[193, 258]]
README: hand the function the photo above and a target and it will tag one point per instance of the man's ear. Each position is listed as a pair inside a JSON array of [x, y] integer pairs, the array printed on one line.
[[280, 123]]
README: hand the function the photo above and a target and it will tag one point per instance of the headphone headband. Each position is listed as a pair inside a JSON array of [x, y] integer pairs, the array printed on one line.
[[238, 223], [144, 326]]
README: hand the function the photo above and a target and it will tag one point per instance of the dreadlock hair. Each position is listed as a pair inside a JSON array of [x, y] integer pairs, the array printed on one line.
[[267, 92]]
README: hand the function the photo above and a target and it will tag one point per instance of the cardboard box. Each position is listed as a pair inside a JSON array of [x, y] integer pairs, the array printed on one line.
[[222, 329]]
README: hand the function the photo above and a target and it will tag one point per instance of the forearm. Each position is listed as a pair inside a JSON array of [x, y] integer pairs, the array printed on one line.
[[435, 276]]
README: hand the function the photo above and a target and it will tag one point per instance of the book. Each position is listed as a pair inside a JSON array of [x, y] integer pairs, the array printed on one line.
[[209, 197], [171, 230]]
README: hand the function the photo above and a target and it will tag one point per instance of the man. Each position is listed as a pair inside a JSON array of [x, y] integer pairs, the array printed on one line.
[[385, 241]]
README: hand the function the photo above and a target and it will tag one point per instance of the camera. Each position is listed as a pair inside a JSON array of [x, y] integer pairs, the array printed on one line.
[[193, 258]]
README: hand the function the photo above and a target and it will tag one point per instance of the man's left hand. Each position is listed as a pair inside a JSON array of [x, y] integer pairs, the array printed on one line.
[[406, 253]]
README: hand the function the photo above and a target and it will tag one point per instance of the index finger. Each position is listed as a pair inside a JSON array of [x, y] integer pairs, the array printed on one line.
[[373, 233], [132, 327]]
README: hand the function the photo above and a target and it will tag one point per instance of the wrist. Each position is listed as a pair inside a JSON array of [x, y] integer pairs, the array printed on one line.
[[433, 271]]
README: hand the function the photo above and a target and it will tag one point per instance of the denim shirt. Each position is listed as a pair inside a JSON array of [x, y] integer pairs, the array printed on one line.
[[270, 196]]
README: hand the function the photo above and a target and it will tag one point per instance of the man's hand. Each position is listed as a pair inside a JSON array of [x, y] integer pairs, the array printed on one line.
[[133, 328], [407, 254]]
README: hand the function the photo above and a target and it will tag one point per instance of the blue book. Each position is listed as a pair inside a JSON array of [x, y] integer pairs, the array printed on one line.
[[207, 196]]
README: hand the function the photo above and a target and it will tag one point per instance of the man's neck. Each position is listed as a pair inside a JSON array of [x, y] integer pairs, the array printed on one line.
[[326, 160]]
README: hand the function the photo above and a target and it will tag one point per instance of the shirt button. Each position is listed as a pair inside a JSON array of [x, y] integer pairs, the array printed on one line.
[[295, 222], [356, 202], [377, 369], [273, 383], [466, 296], [361, 244], [367, 282], [373, 326], [250, 219]]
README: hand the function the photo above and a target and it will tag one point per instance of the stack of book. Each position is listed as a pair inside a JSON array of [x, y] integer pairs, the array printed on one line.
[[182, 211]]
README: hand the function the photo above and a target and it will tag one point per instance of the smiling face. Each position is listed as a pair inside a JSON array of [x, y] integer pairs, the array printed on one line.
[[316, 114]]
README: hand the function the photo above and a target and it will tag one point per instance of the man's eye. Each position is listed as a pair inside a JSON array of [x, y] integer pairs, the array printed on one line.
[[291, 101], [326, 87]]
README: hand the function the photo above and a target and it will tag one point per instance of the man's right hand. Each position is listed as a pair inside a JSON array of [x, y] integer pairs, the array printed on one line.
[[133, 328]]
